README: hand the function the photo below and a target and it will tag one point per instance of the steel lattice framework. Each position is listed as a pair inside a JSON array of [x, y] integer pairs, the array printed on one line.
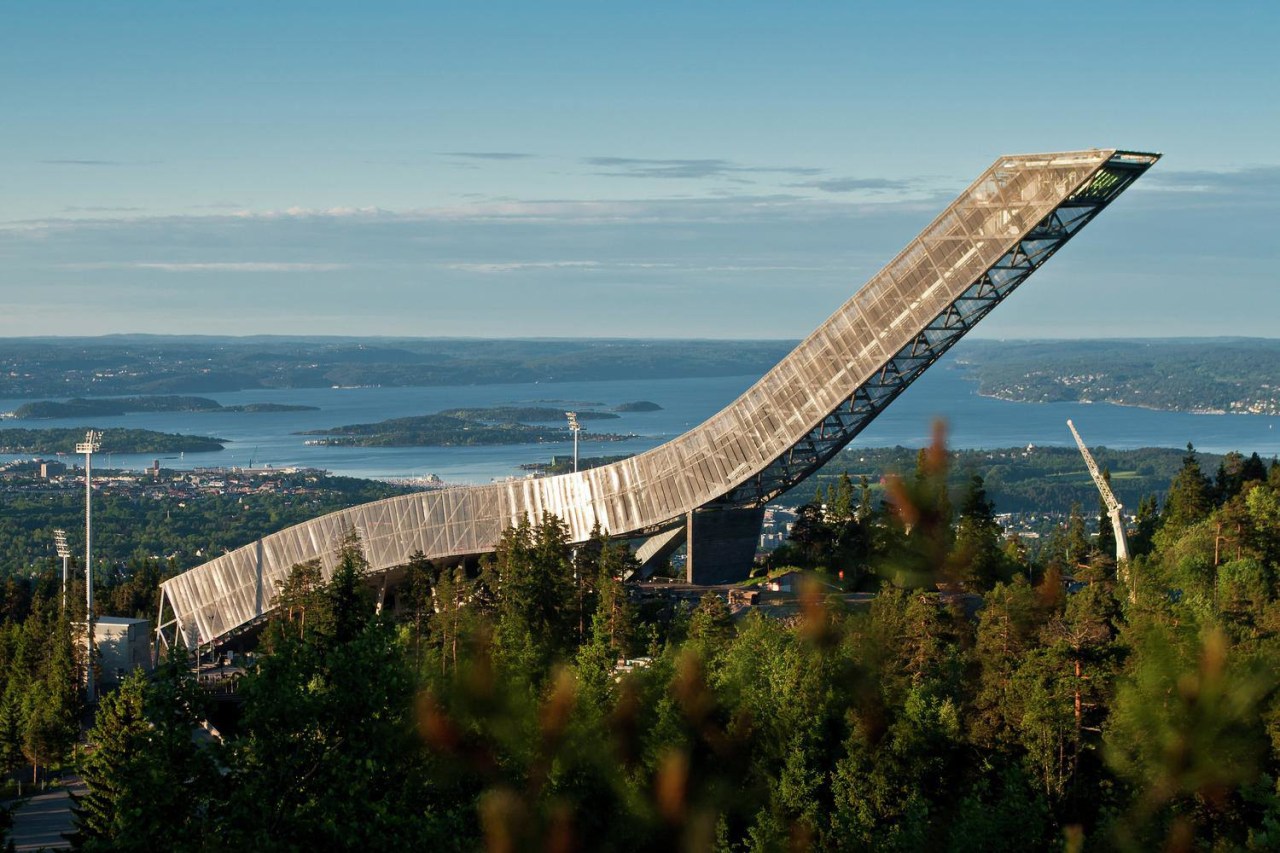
[[1001, 229]]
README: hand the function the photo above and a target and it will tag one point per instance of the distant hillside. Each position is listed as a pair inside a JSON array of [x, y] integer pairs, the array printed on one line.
[[1189, 374], [1213, 375], [82, 408], [115, 366]]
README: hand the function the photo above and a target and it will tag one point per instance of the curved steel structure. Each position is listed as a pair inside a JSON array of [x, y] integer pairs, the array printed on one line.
[[714, 480]]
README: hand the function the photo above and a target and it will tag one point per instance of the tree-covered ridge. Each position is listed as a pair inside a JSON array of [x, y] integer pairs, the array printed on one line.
[[1045, 480], [80, 407], [144, 364], [1022, 479], [114, 440], [1212, 375], [977, 703]]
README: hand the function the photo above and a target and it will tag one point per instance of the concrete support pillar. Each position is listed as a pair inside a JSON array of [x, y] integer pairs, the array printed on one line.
[[721, 544]]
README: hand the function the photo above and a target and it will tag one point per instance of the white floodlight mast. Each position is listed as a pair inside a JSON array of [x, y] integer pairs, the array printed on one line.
[[575, 428], [92, 444], [60, 543]]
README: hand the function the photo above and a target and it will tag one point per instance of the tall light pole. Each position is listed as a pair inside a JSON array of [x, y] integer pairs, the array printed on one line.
[[60, 543], [575, 429], [92, 444]]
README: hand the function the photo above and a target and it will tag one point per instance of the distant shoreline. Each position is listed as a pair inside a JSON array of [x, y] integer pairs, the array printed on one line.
[[1149, 408]]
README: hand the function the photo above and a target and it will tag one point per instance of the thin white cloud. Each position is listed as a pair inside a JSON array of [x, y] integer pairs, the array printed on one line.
[[211, 266], [518, 266], [488, 155], [724, 208], [605, 266], [299, 212], [685, 169], [101, 209]]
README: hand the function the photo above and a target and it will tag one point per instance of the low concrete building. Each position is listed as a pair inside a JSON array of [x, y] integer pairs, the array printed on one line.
[[123, 645]]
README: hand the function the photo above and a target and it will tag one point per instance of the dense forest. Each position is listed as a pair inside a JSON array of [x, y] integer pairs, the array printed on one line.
[[1235, 375], [980, 701], [1045, 480]]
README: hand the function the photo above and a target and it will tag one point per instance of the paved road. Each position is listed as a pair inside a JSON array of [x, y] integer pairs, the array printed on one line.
[[41, 821]]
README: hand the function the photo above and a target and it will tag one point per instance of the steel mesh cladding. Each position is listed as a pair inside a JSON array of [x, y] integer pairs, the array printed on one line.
[[1011, 220]]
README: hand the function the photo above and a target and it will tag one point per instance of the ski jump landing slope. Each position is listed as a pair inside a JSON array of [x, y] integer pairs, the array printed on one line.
[[1011, 220]]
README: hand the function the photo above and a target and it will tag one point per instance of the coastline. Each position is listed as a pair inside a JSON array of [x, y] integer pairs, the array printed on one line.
[[996, 396]]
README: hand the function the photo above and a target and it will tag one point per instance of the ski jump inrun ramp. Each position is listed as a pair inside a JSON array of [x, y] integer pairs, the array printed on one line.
[[708, 487]]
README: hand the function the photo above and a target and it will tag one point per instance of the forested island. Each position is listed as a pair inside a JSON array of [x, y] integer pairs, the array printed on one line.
[[1218, 376], [460, 427], [521, 414], [114, 440], [80, 407], [638, 406]]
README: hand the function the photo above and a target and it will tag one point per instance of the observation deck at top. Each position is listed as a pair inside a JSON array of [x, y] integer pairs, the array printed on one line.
[[708, 487]]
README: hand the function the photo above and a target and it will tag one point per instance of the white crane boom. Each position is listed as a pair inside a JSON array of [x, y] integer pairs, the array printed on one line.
[[1114, 509]]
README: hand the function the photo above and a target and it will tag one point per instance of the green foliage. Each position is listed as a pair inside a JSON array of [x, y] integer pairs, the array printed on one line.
[[329, 711], [978, 557], [929, 717], [1186, 734], [1189, 495], [149, 785], [50, 704], [39, 677], [1016, 479], [537, 619]]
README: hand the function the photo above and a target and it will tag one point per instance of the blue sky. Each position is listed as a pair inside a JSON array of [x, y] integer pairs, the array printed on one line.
[[633, 169]]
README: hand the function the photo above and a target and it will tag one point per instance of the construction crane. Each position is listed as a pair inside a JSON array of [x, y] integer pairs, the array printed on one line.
[[1114, 509]]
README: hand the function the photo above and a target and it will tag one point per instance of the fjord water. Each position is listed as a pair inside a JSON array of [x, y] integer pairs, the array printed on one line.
[[976, 422]]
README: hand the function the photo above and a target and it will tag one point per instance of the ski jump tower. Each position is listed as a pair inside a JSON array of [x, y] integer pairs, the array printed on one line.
[[707, 489]]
